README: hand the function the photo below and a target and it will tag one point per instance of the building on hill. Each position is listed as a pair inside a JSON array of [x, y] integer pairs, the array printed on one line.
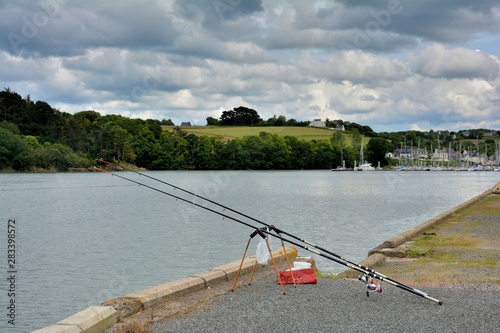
[[317, 123], [443, 154], [474, 157], [410, 153], [185, 123]]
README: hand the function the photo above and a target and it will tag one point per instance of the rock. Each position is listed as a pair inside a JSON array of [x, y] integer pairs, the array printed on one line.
[[126, 306], [496, 188]]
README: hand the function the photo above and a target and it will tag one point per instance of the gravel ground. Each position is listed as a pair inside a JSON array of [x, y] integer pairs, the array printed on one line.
[[337, 305]]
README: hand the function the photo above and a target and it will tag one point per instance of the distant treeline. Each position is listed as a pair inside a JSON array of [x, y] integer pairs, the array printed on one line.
[[145, 144], [33, 135]]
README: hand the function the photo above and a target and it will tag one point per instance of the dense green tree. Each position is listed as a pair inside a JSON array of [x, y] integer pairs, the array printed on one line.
[[488, 146], [376, 150], [10, 146], [356, 141], [228, 155], [143, 144], [325, 155], [271, 121], [211, 121], [13, 128], [338, 140], [281, 121], [276, 151], [240, 116], [12, 107], [207, 153], [364, 130], [251, 154], [302, 153], [167, 122]]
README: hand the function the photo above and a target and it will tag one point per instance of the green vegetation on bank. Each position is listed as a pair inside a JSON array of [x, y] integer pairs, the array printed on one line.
[[463, 249], [35, 136]]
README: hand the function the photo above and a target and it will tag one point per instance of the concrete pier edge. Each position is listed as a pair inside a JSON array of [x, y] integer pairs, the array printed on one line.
[[379, 254], [96, 319]]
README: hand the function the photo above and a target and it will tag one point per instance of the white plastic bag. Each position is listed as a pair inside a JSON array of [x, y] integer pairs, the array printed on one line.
[[262, 253]]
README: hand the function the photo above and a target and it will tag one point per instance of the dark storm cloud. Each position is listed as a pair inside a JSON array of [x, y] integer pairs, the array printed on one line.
[[388, 25], [215, 11], [70, 27]]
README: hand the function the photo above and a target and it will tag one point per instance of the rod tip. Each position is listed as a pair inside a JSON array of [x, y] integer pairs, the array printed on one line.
[[440, 302]]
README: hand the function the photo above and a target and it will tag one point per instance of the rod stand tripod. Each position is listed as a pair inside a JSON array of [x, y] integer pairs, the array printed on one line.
[[262, 233]]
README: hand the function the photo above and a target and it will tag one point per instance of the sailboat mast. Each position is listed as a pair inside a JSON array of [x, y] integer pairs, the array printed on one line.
[[362, 144]]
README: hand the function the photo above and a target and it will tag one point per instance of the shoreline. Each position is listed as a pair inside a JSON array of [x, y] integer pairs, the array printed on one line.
[[120, 167]]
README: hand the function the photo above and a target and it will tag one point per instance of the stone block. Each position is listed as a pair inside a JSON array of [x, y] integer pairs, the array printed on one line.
[[164, 292], [212, 277], [59, 329], [94, 319]]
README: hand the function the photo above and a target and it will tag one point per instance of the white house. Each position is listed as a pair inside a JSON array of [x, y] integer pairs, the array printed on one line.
[[317, 123]]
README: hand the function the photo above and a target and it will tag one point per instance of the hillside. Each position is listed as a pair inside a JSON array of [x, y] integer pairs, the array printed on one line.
[[232, 132]]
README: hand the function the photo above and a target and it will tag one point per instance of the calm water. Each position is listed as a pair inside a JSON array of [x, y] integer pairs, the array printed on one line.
[[83, 238]]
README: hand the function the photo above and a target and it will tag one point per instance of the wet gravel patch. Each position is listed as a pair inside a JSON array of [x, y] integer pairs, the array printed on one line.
[[335, 305]]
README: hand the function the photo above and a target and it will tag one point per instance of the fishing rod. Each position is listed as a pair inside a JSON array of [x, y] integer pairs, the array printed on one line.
[[370, 272], [278, 231], [316, 249]]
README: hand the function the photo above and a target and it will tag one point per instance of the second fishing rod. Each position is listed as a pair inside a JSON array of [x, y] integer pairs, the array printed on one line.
[[312, 250], [372, 272], [311, 247]]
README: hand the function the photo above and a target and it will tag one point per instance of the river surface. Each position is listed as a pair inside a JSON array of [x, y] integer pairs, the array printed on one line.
[[84, 238]]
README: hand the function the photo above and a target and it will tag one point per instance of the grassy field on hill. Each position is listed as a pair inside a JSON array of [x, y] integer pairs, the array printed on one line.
[[232, 132]]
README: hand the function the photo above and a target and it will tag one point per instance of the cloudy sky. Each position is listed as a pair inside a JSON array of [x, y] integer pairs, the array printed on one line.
[[392, 64]]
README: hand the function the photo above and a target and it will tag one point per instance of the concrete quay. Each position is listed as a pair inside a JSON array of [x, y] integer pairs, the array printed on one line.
[[397, 245], [97, 319]]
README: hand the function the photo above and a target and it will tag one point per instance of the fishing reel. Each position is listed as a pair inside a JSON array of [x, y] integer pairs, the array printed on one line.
[[369, 284]]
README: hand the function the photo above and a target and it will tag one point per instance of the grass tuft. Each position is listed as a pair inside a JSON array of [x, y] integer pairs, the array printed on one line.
[[137, 327], [320, 274], [416, 251]]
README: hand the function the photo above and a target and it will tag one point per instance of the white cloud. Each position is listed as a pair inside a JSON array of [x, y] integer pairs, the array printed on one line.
[[437, 61], [356, 66], [186, 61]]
